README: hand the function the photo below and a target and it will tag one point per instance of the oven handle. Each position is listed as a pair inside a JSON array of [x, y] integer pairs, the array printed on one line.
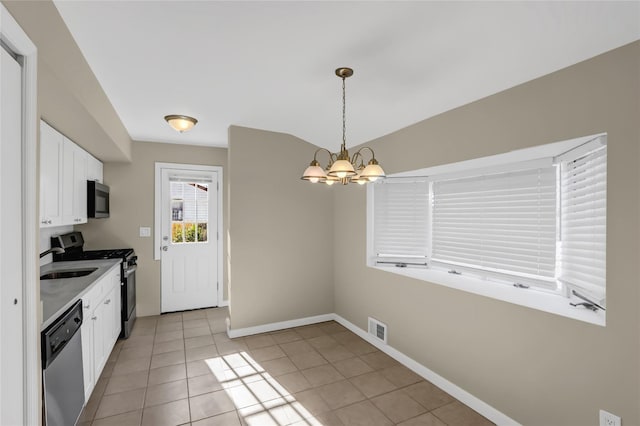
[[130, 271]]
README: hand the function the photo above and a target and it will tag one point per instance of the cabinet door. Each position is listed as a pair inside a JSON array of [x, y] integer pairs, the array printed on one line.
[[80, 157], [74, 184], [51, 147], [88, 307], [117, 324], [67, 182], [99, 353], [109, 323], [86, 331], [94, 169]]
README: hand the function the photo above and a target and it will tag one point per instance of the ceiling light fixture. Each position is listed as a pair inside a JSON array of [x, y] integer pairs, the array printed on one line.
[[181, 123], [342, 168]]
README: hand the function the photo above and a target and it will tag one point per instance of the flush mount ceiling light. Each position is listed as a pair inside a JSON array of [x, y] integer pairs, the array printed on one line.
[[342, 168], [182, 123]]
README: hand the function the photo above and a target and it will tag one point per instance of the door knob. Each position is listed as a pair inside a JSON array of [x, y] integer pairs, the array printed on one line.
[[165, 248]]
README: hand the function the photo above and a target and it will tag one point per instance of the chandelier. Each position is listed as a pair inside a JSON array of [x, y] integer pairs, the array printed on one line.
[[342, 168]]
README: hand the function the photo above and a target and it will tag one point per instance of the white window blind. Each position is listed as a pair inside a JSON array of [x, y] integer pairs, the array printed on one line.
[[401, 220], [583, 222], [501, 223]]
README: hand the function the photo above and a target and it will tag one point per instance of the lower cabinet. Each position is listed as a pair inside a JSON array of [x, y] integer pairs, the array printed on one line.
[[100, 327]]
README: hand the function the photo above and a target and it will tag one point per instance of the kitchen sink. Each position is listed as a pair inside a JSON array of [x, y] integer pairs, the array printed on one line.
[[67, 273]]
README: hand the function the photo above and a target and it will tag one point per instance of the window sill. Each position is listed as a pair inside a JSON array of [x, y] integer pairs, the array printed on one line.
[[534, 299]]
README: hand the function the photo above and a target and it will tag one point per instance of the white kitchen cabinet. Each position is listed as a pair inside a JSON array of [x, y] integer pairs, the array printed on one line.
[[64, 170], [100, 327], [115, 324], [100, 355], [74, 184], [94, 169], [51, 145], [89, 301]]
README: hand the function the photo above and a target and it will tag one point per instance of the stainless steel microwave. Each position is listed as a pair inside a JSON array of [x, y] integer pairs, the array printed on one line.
[[97, 199]]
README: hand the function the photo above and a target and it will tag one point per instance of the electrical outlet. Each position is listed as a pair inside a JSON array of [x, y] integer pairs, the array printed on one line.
[[145, 231], [608, 419]]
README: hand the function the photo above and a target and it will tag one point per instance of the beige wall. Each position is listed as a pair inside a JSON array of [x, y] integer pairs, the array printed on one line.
[[538, 368], [69, 95], [132, 206], [280, 231]]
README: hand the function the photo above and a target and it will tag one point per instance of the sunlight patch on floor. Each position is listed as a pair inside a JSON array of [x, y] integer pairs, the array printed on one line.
[[258, 397]]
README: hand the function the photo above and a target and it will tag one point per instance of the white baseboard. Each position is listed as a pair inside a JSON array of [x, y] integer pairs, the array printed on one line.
[[457, 392], [275, 326], [452, 389]]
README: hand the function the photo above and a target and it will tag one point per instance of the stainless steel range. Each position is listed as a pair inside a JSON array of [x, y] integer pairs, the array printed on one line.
[[73, 243]]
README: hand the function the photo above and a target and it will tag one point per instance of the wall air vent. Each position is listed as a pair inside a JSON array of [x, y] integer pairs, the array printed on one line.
[[378, 330]]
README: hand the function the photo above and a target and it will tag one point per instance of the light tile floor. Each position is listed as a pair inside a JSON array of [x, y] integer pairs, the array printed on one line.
[[182, 369]]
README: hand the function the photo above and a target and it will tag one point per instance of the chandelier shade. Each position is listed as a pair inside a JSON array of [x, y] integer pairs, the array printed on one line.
[[314, 173], [342, 168]]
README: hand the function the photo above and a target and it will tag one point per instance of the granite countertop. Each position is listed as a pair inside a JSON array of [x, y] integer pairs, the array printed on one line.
[[58, 295]]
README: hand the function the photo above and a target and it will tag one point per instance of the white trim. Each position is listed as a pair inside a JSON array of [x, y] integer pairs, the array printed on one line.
[[15, 38], [536, 299], [452, 389], [275, 326], [157, 219], [223, 303]]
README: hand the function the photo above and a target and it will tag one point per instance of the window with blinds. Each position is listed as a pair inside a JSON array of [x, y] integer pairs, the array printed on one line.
[[401, 210], [583, 224], [536, 222], [503, 223]]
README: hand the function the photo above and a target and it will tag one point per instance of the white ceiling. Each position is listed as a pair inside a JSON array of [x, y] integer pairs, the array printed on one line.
[[270, 65]]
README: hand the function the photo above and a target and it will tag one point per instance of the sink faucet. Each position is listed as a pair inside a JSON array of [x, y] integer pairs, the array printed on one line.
[[52, 250]]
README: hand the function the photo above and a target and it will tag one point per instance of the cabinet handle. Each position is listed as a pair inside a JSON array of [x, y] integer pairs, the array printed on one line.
[[49, 222], [106, 302], [94, 318], [87, 306]]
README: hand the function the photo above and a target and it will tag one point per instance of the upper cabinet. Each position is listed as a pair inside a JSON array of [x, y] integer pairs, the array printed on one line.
[[94, 168], [64, 170], [51, 143], [74, 183]]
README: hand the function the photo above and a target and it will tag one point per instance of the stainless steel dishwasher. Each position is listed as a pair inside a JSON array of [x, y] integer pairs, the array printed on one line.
[[62, 377]]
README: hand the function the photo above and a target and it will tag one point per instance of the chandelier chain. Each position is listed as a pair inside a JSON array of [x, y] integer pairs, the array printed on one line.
[[344, 115]]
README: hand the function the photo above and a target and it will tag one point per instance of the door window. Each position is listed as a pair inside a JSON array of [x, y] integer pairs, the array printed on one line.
[[189, 212]]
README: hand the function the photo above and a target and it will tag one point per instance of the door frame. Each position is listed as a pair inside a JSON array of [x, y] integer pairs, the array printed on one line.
[[157, 216], [17, 41]]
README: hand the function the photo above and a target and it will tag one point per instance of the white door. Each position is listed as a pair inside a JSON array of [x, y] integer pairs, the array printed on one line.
[[11, 344], [189, 232]]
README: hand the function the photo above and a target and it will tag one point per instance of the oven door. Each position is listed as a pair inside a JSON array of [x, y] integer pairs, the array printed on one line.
[[128, 300]]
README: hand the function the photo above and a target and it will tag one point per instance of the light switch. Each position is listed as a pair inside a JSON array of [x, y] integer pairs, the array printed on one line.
[[145, 231]]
